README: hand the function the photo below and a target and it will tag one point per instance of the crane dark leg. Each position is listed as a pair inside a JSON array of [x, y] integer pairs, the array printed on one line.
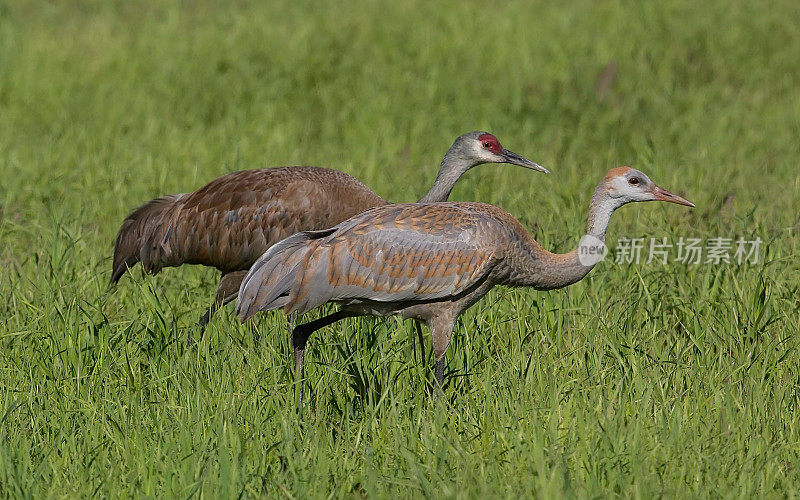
[[227, 291], [300, 335], [439, 373], [421, 340], [441, 332]]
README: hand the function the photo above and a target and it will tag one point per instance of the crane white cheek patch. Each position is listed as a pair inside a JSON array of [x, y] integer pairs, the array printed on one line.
[[591, 250]]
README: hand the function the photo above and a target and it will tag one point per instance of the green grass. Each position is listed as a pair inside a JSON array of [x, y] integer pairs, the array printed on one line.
[[641, 381]]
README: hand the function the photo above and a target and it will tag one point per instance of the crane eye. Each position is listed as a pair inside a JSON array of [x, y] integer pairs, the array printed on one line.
[[487, 145], [633, 181]]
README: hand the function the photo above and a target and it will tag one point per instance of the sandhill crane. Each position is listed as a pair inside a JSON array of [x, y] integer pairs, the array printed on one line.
[[429, 262], [233, 220]]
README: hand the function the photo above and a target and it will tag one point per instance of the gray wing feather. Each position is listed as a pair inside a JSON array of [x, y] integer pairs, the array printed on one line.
[[396, 253], [266, 285], [390, 266]]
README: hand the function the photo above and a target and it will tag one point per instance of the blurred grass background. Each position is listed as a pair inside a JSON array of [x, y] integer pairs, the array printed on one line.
[[643, 380]]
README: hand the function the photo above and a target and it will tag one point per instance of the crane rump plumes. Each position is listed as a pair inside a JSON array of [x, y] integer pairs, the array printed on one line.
[[234, 219], [429, 262]]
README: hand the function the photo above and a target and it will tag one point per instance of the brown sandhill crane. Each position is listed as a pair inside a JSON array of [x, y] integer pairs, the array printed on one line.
[[233, 220], [429, 262]]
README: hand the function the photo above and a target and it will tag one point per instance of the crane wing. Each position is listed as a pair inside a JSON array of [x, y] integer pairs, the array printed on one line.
[[396, 253], [231, 221]]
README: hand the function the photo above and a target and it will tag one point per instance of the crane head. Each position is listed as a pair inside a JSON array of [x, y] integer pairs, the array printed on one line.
[[483, 147], [626, 184]]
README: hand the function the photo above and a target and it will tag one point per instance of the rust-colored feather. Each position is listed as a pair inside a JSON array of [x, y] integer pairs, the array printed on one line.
[[233, 220], [395, 253], [141, 236]]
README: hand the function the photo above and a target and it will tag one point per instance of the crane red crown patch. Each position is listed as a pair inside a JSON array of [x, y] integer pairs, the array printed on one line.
[[490, 142]]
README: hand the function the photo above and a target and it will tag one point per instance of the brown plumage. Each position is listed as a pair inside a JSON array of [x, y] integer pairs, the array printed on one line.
[[230, 222], [234, 219], [140, 235], [429, 262]]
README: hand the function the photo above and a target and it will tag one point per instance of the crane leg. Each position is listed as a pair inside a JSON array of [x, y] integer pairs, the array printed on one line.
[[227, 291], [300, 374], [439, 373], [421, 339], [300, 335], [441, 332]]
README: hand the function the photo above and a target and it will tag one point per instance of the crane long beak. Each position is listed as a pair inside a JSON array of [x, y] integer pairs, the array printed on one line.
[[664, 195], [515, 159]]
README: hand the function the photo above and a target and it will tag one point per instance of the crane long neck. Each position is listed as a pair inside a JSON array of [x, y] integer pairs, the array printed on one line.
[[452, 168], [545, 270], [600, 209]]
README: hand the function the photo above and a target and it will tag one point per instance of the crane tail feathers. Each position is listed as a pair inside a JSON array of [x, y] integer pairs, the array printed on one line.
[[139, 230], [270, 279]]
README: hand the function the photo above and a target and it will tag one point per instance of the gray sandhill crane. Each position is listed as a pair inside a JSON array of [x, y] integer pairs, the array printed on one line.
[[429, 262], [233, 220]]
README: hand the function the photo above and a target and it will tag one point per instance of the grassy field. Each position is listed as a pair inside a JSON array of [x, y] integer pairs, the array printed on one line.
[[643, 380]]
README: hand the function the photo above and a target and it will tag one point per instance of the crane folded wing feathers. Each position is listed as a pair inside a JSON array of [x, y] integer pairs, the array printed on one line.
[[267, 283], [386, 255]]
